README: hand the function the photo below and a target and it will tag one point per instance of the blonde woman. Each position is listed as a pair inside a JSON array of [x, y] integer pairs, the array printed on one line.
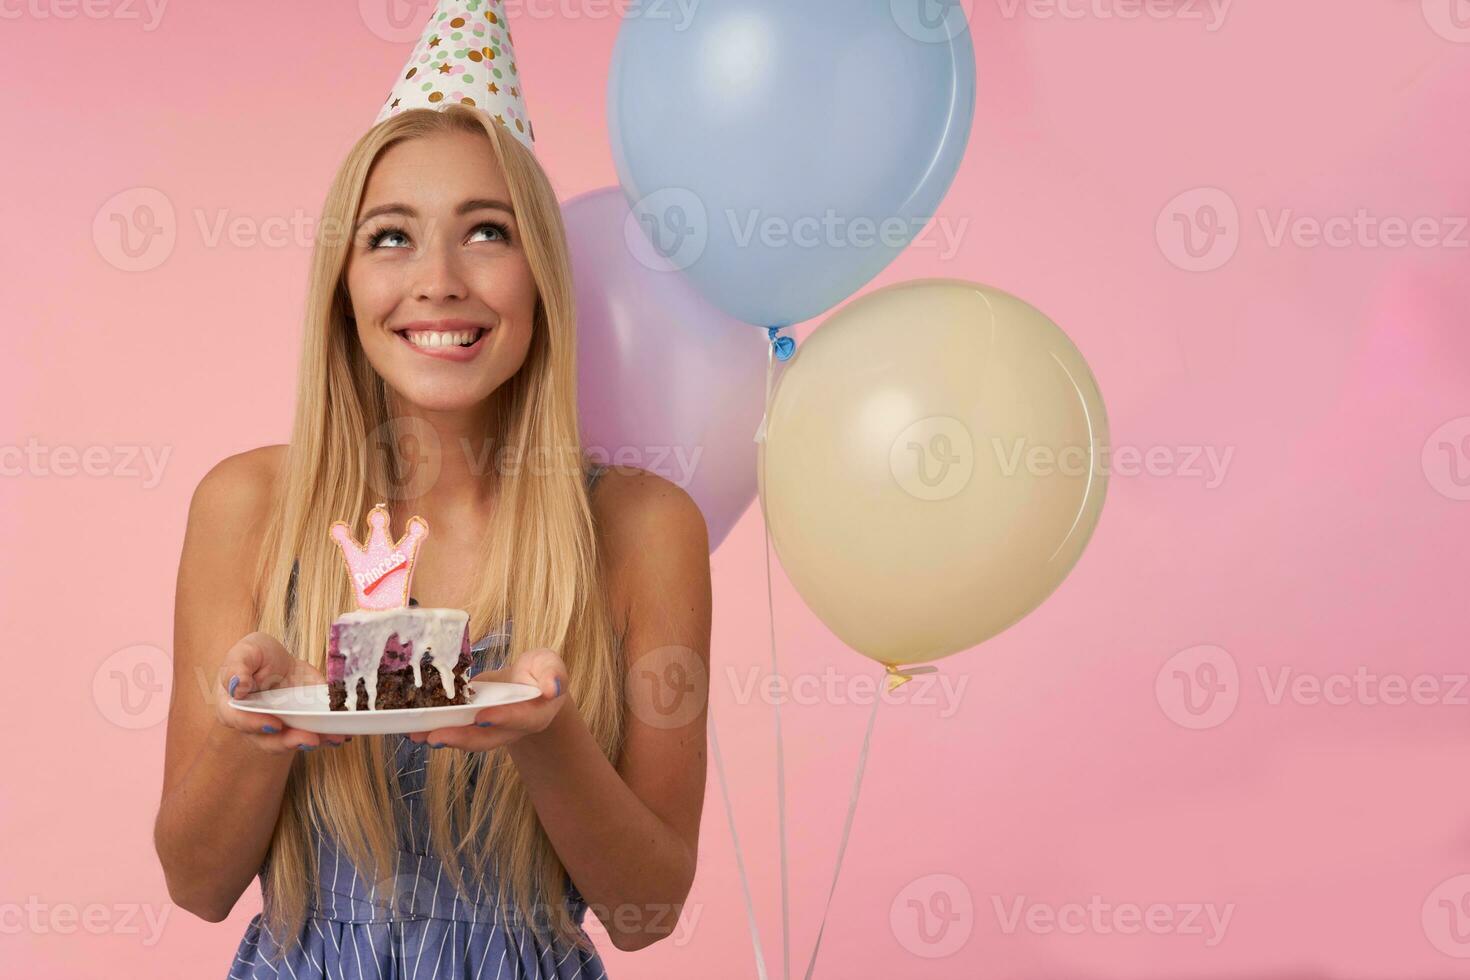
[[440, 332]]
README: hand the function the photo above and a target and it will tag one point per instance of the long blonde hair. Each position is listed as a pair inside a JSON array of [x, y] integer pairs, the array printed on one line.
[[542, 566]]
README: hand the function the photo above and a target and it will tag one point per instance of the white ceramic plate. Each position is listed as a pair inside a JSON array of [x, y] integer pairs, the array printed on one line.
[[308, 709]]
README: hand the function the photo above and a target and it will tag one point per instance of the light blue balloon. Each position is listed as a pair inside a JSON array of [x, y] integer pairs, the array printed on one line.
[[783, 152]]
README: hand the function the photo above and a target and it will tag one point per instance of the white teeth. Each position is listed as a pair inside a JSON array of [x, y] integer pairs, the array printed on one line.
[[433, 338]]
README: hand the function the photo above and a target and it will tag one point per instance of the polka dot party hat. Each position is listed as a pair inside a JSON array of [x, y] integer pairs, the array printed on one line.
[[465, 56]]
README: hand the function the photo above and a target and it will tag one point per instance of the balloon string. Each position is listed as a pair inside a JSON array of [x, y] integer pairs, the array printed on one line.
[[776, 351], [755, 932], [760, 437], [857, 785]]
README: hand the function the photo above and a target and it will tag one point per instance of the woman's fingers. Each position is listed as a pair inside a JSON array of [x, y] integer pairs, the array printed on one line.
[[542, 669], [257, 662]]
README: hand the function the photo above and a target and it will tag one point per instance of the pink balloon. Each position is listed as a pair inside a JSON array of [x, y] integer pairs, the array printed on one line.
[[666, 381]]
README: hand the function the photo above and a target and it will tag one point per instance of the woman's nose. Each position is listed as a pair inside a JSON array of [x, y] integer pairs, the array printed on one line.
[[439, 276]]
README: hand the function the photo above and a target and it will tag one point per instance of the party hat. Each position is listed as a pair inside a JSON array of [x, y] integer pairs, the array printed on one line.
[[465, 56]]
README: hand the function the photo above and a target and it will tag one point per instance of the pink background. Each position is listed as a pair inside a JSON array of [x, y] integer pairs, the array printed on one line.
[[1066, 769]]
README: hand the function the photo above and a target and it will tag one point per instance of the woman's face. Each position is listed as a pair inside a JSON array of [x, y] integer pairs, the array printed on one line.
[[440, 286]]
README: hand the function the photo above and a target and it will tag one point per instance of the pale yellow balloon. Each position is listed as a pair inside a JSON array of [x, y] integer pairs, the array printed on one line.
[[933, 467]]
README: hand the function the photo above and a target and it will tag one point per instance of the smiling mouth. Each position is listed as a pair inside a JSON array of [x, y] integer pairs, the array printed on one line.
[[431, 339]]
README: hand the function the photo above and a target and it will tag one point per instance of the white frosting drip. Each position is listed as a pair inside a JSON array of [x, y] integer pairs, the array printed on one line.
[[429, 630]]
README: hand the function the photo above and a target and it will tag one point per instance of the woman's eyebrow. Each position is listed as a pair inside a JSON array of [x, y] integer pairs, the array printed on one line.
[[484, 203], [465, 207]]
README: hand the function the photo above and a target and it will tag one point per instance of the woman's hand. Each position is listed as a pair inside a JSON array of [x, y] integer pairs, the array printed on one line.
[[502, 724], [259, 663]]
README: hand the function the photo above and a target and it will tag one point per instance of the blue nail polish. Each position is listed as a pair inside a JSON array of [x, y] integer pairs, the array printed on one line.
[[268, 729], [484, 724], [438, 745], [558, 687], [234, 683], [304, 748]]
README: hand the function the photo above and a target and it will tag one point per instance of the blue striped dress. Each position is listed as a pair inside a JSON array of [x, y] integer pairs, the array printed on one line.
[[424, 930]]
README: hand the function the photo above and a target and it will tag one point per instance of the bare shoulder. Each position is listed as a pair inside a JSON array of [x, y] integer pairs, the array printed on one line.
[[633, 505], [655, 548], [238, 488]]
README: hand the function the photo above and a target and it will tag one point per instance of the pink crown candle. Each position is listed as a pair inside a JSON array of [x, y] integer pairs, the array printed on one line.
[[382, 570]]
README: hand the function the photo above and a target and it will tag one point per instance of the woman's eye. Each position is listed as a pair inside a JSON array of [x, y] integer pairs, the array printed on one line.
[[493, 228], [379, 238]]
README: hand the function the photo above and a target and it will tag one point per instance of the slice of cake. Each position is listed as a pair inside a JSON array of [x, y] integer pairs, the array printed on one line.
[[398, 658], [388, 654]]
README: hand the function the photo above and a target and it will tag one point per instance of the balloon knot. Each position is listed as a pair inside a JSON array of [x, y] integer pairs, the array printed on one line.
[[784, 346], [899, 675]]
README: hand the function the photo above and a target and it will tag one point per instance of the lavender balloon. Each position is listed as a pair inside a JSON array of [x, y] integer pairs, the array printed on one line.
[[666, 382]]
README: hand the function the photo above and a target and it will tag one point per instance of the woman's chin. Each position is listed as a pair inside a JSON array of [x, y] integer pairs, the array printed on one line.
[[441, 397]]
